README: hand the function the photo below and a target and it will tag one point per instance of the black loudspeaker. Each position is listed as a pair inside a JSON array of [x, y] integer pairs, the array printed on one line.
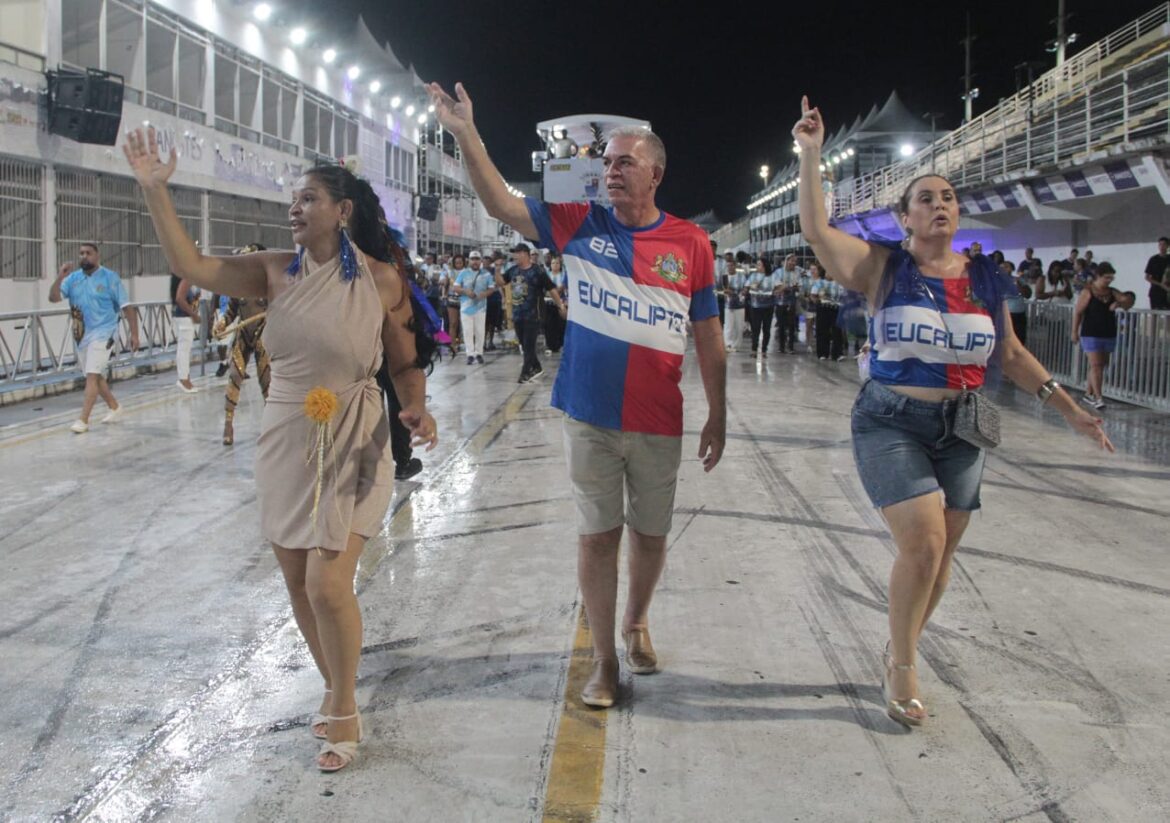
[[86, 107], [428, 207]]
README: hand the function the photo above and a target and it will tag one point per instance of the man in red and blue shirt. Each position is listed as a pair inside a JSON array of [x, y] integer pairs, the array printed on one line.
[[635, 278]]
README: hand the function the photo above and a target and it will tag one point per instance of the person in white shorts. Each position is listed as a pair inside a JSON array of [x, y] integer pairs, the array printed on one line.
[[97, 299]]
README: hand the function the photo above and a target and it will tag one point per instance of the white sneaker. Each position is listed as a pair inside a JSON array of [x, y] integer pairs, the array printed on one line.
[[79, 427], [1098, 403], [183, 388], [1089, 400], [113, 416]]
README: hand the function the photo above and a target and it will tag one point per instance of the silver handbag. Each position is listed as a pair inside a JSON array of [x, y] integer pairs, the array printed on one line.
[[976, 418]]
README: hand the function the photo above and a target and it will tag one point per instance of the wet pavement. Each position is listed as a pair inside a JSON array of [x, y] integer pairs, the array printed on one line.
[[152, 671]]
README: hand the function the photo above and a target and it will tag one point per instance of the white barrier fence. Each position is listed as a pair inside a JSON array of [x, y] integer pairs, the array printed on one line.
[[38, 347], [1138, 372]]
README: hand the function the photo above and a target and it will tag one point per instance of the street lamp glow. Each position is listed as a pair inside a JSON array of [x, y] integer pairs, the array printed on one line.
[[262, 12], [410, 110], [395, 101], [422, 118], [851, 152], [354, 72], [431, 108], [298, 36], [906, 150], [764, 172], [375, 87], [329, 56]]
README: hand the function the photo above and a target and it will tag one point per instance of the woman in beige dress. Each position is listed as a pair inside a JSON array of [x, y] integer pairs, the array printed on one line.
[[335, 308]]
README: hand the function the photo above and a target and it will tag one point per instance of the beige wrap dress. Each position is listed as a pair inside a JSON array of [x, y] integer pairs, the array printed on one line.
[[324, 332]]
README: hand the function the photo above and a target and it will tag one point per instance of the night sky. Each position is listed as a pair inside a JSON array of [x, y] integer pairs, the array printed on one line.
[[722, 88]]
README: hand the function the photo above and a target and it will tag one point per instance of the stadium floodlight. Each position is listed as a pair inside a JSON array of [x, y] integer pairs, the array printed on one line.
[[354, 72], [298, 36], [906, 150], [422, 118], [395, 101], [851, 152], [262, 12], [375, 87], [410, 110], [329, 55], [431, 108]]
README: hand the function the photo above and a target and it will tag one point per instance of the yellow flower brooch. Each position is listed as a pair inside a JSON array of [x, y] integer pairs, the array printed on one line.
[[320, 407]]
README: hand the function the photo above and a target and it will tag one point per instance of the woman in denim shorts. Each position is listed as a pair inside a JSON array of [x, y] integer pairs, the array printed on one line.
[[937, 318]]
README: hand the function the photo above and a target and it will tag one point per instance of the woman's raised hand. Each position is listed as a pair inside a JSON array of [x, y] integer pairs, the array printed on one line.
[[454, 115], [141, 152], [809, 131]]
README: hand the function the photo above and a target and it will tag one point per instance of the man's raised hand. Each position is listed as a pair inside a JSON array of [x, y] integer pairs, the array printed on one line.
[[454, 115]]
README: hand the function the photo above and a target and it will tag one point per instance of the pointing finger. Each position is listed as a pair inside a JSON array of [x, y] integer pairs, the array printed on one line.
[[804, 105]]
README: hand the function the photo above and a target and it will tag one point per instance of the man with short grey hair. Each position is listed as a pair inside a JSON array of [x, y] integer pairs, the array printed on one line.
[[635, 277]]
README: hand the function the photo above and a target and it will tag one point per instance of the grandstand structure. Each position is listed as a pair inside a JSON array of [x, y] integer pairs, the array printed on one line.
[[249, 95], [1078, 158]]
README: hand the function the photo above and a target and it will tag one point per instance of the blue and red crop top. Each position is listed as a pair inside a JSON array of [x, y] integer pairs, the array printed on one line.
[[912, 344]]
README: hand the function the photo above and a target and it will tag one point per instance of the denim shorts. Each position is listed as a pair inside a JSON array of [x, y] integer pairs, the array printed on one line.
[[1099, 344], [906, 448]]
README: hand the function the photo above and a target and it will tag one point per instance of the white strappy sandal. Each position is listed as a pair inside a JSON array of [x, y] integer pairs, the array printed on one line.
[[317, 719], [344, 749]]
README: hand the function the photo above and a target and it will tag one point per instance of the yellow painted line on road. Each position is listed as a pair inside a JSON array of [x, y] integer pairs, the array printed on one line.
[[578, 759]]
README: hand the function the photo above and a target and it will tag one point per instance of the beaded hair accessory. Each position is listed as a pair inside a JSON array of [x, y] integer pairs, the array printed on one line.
[[349, 264]]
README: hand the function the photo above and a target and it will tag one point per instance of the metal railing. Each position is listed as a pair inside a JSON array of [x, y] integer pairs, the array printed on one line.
[[1138, 371], [1066, 115], [38, 346]]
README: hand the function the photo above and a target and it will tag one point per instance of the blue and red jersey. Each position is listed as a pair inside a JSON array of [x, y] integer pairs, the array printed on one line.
[[913, 343], [630, 292]]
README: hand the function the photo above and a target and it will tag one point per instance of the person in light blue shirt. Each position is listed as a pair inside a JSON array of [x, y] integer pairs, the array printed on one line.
[[761, 290], [473, 286], [97, 299]]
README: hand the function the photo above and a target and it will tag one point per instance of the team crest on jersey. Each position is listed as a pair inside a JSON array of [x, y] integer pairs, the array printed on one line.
[[670, 268]]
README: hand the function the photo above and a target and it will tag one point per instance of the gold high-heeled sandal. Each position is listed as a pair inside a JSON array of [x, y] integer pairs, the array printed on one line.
[[899, 710]]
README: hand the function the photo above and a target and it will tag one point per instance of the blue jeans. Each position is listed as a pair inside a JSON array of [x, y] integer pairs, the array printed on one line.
[[905, 448]]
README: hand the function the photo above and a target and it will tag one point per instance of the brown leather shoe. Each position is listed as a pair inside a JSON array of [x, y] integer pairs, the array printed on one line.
[[601, 690], [640, 656]]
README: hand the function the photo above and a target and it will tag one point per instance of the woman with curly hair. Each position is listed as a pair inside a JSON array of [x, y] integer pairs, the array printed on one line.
[[323, 469]]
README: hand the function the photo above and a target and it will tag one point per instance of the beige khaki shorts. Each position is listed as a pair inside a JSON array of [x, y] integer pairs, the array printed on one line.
[[609, 468], [95, 357]]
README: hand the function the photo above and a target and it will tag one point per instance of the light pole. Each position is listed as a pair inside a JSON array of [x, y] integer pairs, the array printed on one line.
[[932, 116]]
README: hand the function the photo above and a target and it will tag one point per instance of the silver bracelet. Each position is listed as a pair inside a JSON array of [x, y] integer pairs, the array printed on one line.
[[1046, 390]]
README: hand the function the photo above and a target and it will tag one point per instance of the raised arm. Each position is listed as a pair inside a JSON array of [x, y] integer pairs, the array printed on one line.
[[855, 263], [456, 117], [245, 275]]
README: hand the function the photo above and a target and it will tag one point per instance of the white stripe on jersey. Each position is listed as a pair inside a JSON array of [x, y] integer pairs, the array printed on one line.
[[631, 312], [915, 333]]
